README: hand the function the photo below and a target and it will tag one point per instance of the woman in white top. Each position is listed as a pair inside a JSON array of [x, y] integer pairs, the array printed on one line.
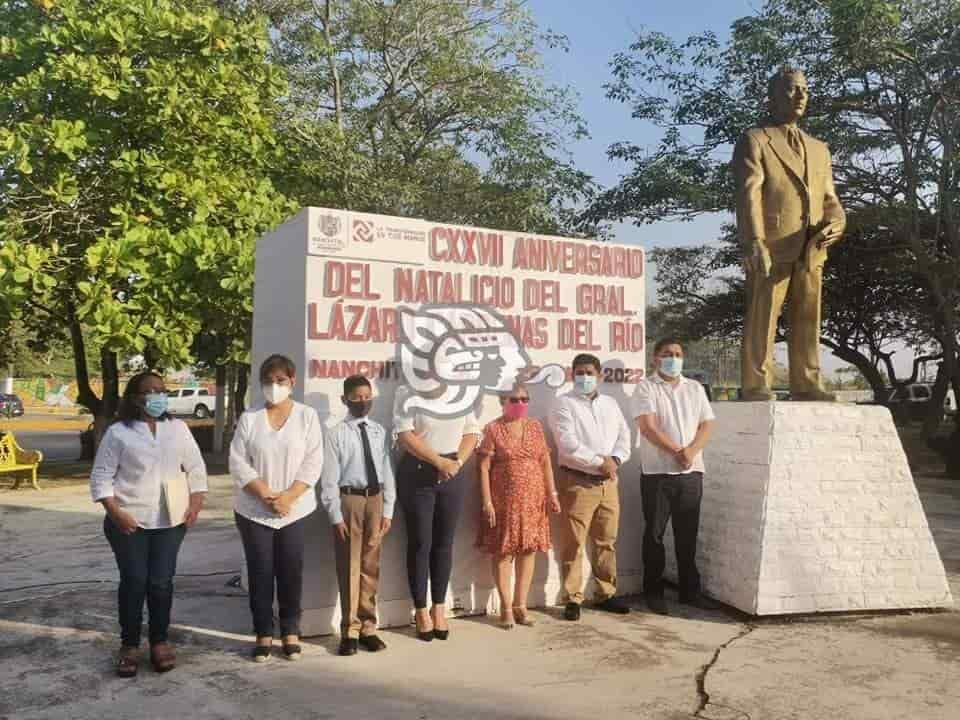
[[431, 487], [275, 459], [148, 466]]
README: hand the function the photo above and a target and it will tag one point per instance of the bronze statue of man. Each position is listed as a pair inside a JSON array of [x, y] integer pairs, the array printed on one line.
[[788, 214]]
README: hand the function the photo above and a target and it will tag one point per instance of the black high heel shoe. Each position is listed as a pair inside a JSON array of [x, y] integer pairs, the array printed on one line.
[[425, 635], [441, 634]]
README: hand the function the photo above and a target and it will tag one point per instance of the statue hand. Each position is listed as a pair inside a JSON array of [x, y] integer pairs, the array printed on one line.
[[759, 261]]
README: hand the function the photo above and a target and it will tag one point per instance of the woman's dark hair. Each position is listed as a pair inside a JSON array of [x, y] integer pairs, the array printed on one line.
[[278, 362], [129, 409]]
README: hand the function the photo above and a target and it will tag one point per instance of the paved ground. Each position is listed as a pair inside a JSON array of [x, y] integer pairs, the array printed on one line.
[[57, 631]]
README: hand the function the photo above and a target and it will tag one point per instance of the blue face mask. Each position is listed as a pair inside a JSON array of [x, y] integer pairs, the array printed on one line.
[[585, 384], [671, 366], [155, 404]]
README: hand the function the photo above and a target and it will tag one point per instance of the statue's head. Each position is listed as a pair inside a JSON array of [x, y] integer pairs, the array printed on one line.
[[788, 95]]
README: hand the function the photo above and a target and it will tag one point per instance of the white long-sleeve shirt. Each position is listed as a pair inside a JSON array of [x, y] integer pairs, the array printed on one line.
[[586, 431], [132, 464], [278, 457]]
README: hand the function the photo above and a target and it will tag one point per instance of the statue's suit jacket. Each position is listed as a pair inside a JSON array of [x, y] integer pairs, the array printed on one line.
[[778, 199]]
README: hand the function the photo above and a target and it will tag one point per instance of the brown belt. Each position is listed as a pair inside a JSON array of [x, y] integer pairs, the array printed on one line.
[[598, 479], [366, 492]]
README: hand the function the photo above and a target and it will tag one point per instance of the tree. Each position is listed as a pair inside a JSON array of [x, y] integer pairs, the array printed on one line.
[[886, 98], [430, 108], [133, 163]]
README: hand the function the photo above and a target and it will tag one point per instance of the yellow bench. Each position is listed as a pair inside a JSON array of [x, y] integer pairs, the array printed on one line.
[[14, 459]]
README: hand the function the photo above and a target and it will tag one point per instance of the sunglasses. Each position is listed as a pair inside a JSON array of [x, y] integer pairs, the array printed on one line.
[[520, 400]]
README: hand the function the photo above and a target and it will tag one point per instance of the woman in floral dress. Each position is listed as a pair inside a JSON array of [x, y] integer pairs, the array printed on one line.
[[516, 477]]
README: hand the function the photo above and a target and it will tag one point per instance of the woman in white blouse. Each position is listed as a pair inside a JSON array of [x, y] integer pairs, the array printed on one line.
[[431, 488], [148, 467], [275, 459]]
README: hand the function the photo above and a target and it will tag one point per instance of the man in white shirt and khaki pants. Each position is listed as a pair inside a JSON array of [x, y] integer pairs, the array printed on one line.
[[593, 440], [675, 421]]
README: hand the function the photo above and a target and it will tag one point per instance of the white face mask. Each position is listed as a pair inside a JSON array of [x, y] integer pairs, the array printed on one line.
[[276, 393]]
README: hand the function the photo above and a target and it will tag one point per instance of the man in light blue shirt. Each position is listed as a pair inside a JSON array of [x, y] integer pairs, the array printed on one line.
[[358, 491]]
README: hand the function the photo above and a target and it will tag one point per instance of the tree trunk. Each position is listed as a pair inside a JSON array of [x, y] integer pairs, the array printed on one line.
[[863, 364], [220, 415], [110, 398], [85, 395], [946, 376], [242, 379]]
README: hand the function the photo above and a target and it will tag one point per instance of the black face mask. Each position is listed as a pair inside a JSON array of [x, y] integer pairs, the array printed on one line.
[[359, 408]]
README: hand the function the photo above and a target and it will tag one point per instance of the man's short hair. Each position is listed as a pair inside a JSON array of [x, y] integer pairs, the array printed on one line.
[[586, 359], [781, 76], [353, 382], [663, 342], [278, 362]]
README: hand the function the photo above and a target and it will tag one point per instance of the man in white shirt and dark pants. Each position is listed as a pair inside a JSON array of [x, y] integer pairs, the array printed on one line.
[[675, 421], [593, 441]]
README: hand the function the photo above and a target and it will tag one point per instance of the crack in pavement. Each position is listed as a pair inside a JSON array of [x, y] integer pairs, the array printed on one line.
[[701, 679]]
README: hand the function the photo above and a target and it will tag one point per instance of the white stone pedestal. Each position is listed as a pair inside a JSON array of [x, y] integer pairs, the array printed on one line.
[[811, 507]]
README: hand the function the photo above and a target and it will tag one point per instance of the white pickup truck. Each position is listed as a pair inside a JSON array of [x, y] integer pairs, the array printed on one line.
[[197, 402]]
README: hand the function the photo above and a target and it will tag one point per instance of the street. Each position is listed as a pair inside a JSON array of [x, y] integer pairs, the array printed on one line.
[[56, 445]]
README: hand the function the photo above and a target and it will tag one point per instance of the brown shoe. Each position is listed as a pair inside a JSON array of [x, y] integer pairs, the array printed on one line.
[[128, 661], [163, 657]]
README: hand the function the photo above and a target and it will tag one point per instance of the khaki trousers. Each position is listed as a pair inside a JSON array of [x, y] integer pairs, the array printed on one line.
[[589, 511], [358, 564], [799, 286]]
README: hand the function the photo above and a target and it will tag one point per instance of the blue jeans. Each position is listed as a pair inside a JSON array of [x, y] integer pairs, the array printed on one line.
[[147, 560]]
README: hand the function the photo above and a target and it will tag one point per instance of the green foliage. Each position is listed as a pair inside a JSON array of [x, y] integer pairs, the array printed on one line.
[[133, 155], [425, 108]]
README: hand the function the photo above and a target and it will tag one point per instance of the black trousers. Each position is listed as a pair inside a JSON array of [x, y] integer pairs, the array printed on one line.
[[274, 556], [431, 511], [147, 560], [677, 496]]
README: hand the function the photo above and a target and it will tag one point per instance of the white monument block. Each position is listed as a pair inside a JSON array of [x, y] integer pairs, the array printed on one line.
[[811, 507]]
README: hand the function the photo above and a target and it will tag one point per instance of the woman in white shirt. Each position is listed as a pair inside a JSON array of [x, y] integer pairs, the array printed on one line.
[[431, 487], [138, 477], [275, 459]]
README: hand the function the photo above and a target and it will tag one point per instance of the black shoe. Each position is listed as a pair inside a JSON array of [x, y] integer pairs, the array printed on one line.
[[572, 611], [701, 602], [441, 634], [292, 651], [613, 605], [372, 643], [657, 604], [348, 646], [261, 653]]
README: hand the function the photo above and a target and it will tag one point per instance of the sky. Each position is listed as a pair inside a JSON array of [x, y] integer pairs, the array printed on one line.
[[596, 30]]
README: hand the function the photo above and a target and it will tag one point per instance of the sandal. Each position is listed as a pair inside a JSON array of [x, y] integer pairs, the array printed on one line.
[[163, 657], [522, 618], [127, 662], [506, 620]]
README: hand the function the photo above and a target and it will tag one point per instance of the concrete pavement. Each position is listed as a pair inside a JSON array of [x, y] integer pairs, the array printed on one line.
[[58, 629]]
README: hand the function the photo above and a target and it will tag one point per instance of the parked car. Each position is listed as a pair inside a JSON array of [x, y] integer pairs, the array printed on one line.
[[10, 405], [197, 402], [910, 402]]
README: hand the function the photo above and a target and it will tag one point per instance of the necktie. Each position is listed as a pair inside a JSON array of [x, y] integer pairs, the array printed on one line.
[[373, 482], [794, 141]]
